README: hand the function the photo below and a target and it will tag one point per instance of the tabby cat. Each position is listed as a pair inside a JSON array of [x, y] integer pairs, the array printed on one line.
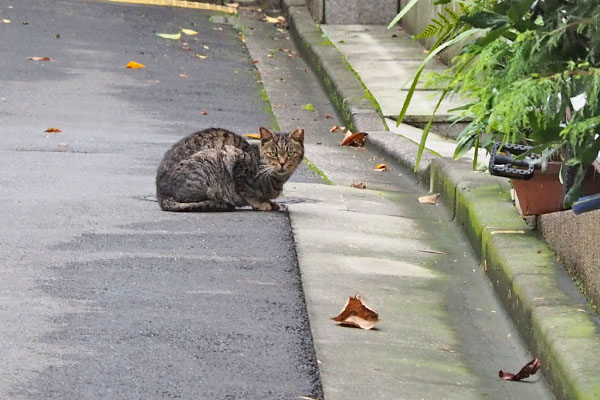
[[217, 170]]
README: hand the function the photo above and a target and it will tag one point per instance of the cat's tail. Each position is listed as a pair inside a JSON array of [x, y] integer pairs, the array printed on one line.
[[168, 204]]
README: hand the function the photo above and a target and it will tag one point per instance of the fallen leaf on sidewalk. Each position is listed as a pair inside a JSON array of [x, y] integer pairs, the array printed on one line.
[[189, 32], [63, 144], [252, 135], [185, 47], [134, 65], [308, 107], [354, 139], [334, 128], [52, 130], [203, 112], [431, 251], [430, 199], [183, 75], [6, 21], [381, 168], [200, 56], [172, 36], [358, 185], [40, 58], [529, 369], [356, 313]]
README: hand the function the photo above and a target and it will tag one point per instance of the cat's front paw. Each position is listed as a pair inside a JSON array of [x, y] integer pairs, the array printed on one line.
[[264, 207], [267, 206]]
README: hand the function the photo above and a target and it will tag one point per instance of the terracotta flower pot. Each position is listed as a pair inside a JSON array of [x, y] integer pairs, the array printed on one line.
[[542, 194]]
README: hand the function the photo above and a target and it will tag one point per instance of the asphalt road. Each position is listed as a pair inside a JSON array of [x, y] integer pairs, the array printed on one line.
[[102, 295]]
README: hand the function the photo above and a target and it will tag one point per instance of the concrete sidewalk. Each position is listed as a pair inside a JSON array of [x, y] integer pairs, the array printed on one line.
[[549, 312]]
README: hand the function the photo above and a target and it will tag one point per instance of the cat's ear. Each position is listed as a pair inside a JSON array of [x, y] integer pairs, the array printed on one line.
[[265, 134], [298, 135]]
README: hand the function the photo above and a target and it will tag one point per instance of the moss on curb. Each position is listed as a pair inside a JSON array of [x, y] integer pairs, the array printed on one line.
[[312, 166]]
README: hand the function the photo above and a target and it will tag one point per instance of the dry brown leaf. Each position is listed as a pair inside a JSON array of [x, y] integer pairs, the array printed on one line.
[[430, 199], [203, 112], [252, 135], [529, 369], [274, 20], [40, 58], [357, 313], [134, 65], [381, 168], [358, 185], [334, 128], [52, 130], [354, 139]]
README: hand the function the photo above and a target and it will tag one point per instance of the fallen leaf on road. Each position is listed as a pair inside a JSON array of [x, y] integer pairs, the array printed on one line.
[[189, 32], [356, 313], [200, 56], [274, 20], [52, 130], [172, 36], [185, 47], [183, 75], [63, 144], [135, 65], [529, 369], [305, 398], [6, 21], [40, 58], [354, 139], [203, 112], [430, 199], [205, 47], [381, 168], [308, 107], [334, 128], [252, 135], [358, 185]]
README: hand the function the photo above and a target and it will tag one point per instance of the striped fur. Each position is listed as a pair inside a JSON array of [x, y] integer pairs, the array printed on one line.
[[217, 170]]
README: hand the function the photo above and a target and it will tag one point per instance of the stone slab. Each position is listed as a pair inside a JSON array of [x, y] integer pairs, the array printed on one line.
[[359, 11]]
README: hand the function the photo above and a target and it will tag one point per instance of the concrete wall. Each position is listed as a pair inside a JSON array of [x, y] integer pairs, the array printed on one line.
[[576, 241], [420, 16], [351, 12]]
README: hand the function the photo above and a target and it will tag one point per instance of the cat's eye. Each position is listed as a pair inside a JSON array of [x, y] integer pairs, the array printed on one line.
[[291, 153], [272, 153]]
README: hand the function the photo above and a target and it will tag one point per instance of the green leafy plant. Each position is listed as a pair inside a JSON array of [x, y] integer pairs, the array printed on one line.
[[529, 72]]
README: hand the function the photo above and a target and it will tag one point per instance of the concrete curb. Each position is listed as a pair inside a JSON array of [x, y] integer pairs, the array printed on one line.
[[546, 306]]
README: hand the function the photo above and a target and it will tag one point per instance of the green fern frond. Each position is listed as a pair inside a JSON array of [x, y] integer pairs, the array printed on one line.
[[440, 27]]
